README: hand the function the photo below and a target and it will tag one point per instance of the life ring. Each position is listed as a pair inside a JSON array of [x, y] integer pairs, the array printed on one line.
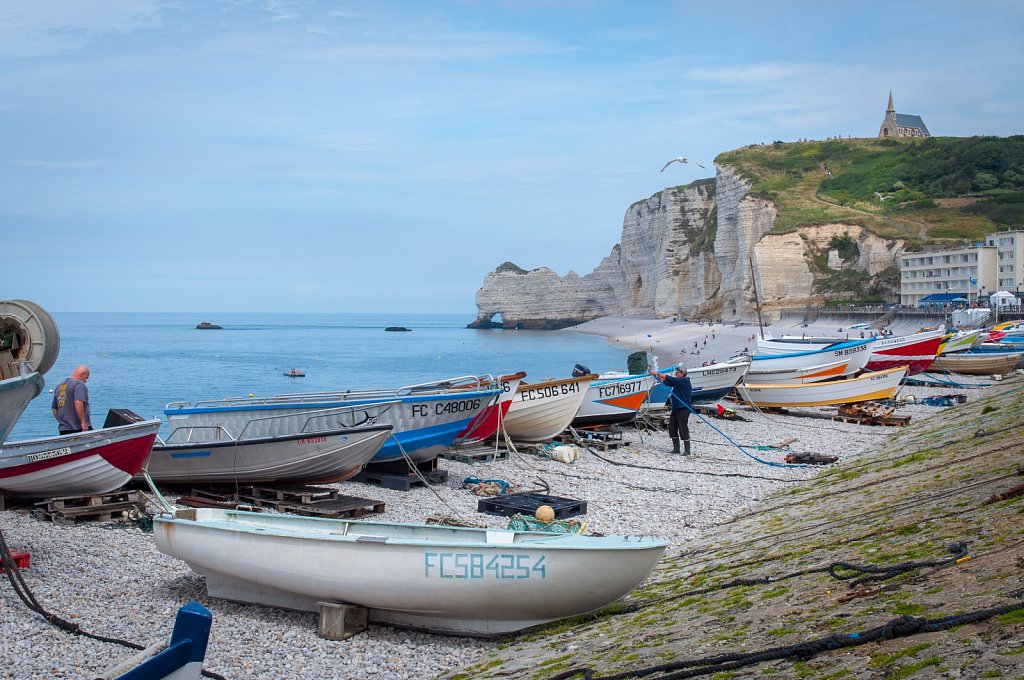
[[36, 340]]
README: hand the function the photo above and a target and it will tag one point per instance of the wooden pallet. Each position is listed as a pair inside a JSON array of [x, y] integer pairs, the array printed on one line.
[[594, 439], [342, 506], [69, 510], [477, 454], [310, 501], [870, 413]]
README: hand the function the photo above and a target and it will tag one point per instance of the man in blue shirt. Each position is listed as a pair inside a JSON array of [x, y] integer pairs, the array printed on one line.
[[71, 403], [679, 401]]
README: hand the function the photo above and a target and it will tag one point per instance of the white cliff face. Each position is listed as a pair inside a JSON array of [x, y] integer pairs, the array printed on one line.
[[685, 251]]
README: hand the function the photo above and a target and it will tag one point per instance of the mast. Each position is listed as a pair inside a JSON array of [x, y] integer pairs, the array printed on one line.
[[757, 300]]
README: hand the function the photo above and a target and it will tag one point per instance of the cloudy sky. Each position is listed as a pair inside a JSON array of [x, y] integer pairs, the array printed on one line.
[[314, 156]]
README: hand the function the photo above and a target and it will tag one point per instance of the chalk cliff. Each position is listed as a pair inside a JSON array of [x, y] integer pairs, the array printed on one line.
[[686, 252]]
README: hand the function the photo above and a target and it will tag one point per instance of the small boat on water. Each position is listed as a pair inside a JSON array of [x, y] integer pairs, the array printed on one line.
[[867, 387], [322, 450], [613, 400], [452, 580], [82, 464], [426, 418], [295, 373], [207, 326], [541, 410], [988, 363]]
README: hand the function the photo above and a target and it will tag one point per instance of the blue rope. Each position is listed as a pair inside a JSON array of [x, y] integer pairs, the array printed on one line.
[[744, 451]]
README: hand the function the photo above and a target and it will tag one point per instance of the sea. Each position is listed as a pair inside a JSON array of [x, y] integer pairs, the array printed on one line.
[[144, 361]]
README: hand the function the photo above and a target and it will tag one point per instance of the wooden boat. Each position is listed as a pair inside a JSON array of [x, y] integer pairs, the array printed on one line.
[[709, 383], [916, 352], [198, 455], [83, 464], [487, 422], [179, 659], [998, 348], [613, 400], [978, 364], [454, 580], [868, 387], [958, 342], [426, 418], [785, 376], [295, 373], [856, 353], [542, 410]]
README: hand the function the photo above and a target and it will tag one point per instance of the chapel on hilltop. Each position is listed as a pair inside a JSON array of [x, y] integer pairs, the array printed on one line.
[[901, 124]]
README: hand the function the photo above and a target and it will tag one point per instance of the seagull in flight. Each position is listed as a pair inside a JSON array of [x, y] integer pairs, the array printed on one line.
[[679, 159]]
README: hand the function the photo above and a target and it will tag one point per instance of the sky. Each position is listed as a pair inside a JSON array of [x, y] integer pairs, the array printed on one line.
[[385, 156]]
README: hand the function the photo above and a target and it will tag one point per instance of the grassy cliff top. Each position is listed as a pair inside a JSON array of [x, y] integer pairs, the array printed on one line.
[[932, 189]]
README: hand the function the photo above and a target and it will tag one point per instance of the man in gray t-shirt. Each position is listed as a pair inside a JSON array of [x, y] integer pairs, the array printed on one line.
[[71, 403]]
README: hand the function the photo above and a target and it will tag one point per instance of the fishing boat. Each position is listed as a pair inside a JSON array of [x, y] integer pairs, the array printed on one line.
[[181, 658], [487, 422], [29, 344], [452, 580], [978, 364], [540, 411], [426, 418], [998, 348], [916, 351], [867, 387], [295, 373], [958, 342], [809, 374], [319, 452], [613, 400], [81, 464], [856, 353], [709, 383]]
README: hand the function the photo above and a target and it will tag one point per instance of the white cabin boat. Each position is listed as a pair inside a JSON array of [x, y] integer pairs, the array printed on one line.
[[454, 580]]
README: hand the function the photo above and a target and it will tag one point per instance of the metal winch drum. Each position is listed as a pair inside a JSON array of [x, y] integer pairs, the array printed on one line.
[[29, 339]]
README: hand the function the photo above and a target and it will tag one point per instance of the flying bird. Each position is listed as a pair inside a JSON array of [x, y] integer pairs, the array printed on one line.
[[679, 159]]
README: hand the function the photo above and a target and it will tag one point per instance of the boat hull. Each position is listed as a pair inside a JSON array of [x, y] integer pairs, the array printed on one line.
[[424, 423], [856, 354], [613, 401], [540, 411], [452, 580], [868, 387], [84, 464], [15, 395], [916, 352], [978, 364], [307, 458], [709, 383], [487, 422], [784, 376]]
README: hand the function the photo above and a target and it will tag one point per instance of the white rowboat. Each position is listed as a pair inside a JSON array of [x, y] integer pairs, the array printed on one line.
[[868, 387], [541, 410], [455, 580]]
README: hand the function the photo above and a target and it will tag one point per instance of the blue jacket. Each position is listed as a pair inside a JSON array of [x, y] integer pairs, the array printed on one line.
[[681, 390]]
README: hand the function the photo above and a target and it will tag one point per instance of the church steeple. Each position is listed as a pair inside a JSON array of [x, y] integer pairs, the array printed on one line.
[[891, 109]]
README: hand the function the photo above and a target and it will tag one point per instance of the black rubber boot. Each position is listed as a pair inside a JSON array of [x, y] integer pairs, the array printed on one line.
[[686, 447], [675, 444]]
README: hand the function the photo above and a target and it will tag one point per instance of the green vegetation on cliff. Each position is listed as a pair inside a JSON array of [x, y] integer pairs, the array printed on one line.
[[937, 188]]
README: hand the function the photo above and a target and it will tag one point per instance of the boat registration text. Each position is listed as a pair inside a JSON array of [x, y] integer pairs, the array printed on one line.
[[480, 566], [46, 455], [548, 391]]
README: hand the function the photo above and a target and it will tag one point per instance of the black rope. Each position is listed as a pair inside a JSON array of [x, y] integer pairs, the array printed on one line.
[[895, 628], [24, 593]]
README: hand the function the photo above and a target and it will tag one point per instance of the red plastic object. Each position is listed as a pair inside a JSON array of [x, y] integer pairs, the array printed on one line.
[[21, 560]]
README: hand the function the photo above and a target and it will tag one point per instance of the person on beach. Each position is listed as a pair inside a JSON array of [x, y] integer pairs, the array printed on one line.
[[71, 403], [679, 402]]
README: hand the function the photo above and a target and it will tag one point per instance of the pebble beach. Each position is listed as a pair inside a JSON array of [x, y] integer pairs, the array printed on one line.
[[108, 578]]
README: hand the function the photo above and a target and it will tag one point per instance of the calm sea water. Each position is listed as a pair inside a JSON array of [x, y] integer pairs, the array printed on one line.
[[144, 361]]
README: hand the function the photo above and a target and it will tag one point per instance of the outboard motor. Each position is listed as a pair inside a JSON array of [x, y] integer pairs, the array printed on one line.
[[579, 370]]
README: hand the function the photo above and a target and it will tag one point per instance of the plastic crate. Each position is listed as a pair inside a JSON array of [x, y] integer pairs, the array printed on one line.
[[527, 504], [21, 560]]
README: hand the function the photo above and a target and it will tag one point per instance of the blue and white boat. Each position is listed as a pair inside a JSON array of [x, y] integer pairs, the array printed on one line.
[[179, 659], [710, 383], [426, 418]]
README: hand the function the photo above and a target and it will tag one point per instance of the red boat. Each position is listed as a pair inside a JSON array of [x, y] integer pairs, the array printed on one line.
[[916, 352], [83, 464], [486, 423]]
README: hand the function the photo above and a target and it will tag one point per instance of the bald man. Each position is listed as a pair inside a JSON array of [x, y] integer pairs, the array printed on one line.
[[71, 403]]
